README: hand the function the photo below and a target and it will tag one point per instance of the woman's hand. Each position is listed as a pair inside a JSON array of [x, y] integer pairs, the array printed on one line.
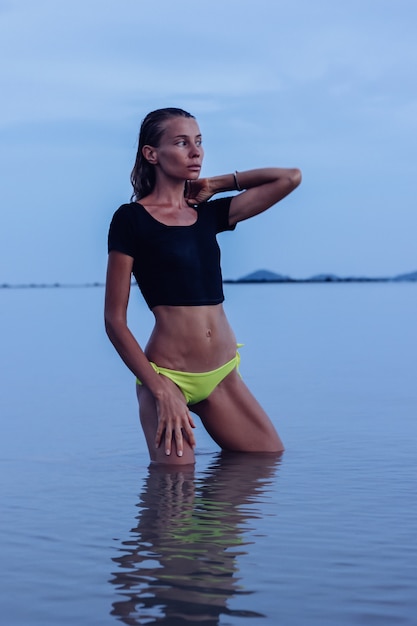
[[174, 419], [200, 190]]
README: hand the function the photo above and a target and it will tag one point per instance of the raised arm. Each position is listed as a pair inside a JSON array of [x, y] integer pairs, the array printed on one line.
[[173, 414], [263, 188], [260, 189]]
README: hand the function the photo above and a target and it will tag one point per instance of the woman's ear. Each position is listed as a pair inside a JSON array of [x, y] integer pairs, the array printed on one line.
[[150, 154]]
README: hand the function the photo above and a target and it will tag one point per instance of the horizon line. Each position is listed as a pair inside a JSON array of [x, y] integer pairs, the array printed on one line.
[[324, 278]]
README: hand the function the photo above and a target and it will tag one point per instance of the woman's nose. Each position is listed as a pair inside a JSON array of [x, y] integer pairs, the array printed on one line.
[[195, 150]]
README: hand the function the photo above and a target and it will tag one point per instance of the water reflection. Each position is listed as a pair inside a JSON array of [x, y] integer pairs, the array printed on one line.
[[180, 564]]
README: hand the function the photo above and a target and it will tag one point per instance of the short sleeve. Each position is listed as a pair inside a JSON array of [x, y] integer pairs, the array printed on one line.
[[121, 232], [221, 208]]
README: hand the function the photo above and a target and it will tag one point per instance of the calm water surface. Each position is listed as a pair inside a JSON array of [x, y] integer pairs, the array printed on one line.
[[326, 534]]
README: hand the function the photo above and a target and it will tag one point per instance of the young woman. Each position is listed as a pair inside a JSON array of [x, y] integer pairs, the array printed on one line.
[[167, 237]]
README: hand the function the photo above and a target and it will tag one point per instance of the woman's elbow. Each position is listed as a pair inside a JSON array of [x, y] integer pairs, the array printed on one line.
[[107, 324], [113, 325]]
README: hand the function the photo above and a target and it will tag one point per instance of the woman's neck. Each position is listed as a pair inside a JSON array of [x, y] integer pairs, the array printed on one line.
[[167, 192]]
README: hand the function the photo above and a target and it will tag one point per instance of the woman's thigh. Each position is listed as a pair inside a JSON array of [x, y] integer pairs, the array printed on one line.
[[149, 420], [235, 419]]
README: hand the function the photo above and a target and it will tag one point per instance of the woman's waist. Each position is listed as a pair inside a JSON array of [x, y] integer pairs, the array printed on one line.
[[194, 322], [191, 340]]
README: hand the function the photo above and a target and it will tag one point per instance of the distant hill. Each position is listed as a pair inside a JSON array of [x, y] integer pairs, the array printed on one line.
[[262, 276], [266, 276], [412, 276]]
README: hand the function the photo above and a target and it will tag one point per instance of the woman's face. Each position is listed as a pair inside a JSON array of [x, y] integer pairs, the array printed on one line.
[[180, 152]]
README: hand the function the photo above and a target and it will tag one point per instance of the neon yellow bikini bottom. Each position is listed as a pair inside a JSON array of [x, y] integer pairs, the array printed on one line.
[[197, 386]]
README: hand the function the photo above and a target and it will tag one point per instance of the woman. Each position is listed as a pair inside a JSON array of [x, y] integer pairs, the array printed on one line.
[[167, 238]]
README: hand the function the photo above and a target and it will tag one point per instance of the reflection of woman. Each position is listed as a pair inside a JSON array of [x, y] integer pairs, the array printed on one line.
[[180, 565], [167, 238]]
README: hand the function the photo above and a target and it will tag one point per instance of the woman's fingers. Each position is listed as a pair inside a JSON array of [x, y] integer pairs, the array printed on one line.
[[175, 432], [168, 439], [184, 431], [197, 191], [179, 441]]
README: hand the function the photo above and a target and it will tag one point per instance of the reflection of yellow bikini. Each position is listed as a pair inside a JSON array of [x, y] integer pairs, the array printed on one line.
[[197, 386]]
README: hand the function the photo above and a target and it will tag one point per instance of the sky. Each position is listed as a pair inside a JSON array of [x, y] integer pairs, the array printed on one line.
[[326, 86]]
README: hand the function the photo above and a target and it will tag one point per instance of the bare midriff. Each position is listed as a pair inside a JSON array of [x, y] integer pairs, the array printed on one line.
[[191, 338]]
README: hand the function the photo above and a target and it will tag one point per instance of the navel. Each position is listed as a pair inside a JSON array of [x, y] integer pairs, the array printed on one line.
[[208, 332]]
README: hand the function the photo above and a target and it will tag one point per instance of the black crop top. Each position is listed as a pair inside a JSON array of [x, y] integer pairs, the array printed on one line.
[[173, 265]]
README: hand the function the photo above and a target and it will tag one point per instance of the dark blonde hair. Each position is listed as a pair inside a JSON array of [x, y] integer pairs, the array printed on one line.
[[151, 131]]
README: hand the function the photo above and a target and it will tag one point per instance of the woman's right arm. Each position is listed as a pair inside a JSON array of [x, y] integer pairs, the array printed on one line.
[[173, 414]]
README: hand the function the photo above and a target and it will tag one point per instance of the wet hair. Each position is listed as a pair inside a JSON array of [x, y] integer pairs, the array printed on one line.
[[151, 131]]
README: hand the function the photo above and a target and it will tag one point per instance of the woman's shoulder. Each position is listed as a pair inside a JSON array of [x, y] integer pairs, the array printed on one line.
[[124, 218], [216, 212], [127, 208], [129, 213], [128, 226]]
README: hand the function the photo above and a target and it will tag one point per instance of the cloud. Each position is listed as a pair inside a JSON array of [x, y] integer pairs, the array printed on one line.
[[85, 59]]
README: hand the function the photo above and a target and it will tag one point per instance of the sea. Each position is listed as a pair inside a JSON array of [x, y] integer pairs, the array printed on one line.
[[325, 534]]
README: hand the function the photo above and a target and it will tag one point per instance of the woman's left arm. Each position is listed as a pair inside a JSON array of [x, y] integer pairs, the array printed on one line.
[[261, 188]]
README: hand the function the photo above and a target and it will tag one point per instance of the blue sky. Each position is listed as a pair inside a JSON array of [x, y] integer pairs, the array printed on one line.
[[327, 86]]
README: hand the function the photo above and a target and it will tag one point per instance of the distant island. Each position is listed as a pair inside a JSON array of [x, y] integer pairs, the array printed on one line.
[[266, 276], [260, 276]]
